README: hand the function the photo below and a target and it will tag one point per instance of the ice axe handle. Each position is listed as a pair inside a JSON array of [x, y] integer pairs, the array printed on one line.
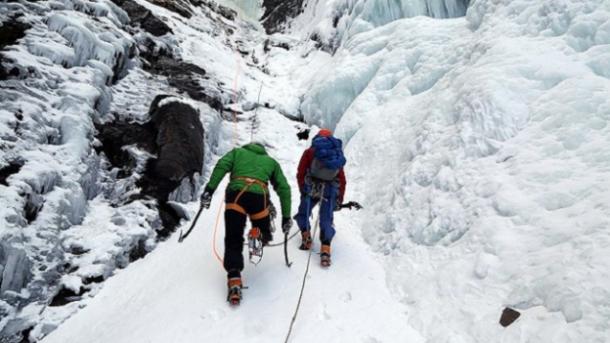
[[351, 205], [188, 232]]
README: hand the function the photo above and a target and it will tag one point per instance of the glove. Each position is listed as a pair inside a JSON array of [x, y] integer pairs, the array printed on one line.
[[338, 204], [206, 198], [286, 224]]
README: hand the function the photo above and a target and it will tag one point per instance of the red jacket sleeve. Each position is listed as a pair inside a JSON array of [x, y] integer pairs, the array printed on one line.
[[304, 165], [342, 184]]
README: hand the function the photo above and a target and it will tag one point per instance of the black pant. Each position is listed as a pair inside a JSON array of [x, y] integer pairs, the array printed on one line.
[[235, 224]]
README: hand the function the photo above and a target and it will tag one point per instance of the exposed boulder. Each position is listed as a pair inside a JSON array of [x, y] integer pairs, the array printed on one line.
[[181, 7], [144, 18], [179, 138], [278, 12], [509, 316], [175, 135], [10, 32], [182, 75], [10, 169]]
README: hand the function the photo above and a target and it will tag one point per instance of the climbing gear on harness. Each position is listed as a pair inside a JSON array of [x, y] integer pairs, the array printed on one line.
[[188, 232], [315, 191], [255, 245], [238, 208], [206, 199], [325, 255], [306, 240], [234, 295]]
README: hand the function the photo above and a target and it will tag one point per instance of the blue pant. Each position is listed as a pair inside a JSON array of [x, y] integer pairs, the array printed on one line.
[[327, 206]]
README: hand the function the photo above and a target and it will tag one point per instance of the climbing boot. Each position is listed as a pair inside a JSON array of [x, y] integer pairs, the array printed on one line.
[[235, 286], [325, 255], [255, 245], [306, 240]]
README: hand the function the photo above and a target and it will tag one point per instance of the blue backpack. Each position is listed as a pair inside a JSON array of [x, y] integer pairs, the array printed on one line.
[[328, 158]]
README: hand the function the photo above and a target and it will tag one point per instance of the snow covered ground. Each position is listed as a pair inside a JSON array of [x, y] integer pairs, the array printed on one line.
[[178, 292]]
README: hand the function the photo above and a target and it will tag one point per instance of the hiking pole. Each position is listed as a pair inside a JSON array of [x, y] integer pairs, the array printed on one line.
[[351, 205], [188, 232], [288, 263]]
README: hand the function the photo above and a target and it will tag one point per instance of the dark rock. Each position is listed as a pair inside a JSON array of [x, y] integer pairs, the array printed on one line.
[[181, 7], [179, 137], [138, 251], [175, 135], [11, 31], [509, 316], [114, 136], [180, 154], [33, 205], [12, 168], [278, 12], [25, 335], [66, 296], [184, 76], [142, 17], [227, 12], [93, 279], [303, 135]]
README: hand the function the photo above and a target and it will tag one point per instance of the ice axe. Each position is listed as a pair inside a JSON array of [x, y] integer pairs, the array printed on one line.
[[188, 232], [351, 205]]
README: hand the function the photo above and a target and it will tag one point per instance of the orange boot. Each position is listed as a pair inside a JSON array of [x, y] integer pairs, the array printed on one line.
[[306, 242], [235, 286], [325, 255]]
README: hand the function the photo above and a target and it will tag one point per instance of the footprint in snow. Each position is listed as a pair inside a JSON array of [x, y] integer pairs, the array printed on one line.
[[346, 297]]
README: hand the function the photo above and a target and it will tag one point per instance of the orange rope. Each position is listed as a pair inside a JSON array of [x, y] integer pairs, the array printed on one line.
[[216, 254], [235, 98], [235, 142]]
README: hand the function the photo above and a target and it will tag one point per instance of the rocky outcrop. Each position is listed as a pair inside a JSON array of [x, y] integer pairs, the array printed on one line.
[[174, 135], [278, 12], [10, 32], [142, 17]]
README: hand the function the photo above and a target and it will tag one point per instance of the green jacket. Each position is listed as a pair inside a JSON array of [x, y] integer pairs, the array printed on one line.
[[251, 160]]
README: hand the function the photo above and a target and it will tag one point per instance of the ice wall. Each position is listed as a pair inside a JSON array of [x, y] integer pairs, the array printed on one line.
[[482, 142], [333, 22]]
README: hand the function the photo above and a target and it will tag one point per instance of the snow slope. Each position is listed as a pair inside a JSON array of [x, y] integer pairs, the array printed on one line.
[[178, 292]]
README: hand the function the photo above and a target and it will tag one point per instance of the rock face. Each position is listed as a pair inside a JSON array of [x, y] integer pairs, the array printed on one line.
[[179, 145], [179, 139], [174, 135], [140, 16], [277, 12], [10, 32]]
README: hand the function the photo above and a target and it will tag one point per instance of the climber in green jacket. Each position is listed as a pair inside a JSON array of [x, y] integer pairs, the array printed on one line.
[[247, 195]]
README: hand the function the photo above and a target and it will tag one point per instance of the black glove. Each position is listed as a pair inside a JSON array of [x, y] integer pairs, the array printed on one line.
[[338, 203], [286, 224], [206, 198]]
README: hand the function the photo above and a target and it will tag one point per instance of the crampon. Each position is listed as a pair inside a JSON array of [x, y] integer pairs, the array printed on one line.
[[255, 245]]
